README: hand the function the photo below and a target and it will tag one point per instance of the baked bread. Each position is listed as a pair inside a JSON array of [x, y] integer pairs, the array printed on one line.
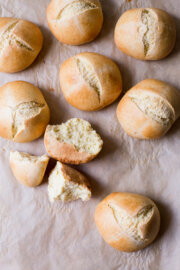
[[73, 142], [126, 221], [148, 110], [75, 22], [90, 81], [24, 113], [145, 33], [67, 184], [27, 169], [20, 43]]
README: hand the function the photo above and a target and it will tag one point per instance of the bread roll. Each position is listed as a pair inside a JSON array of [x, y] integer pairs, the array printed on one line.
[[20, 43], [90, 81], [145, 33], [67, 184], [148, 110], [73, 142], [24, 113], [75, 22], [126, 221], [27, 169]]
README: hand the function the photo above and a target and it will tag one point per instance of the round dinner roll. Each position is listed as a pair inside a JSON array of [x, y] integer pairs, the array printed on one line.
[[145, 33], [148, 110], [75, 22], [67, 184], [24, 113], [73, 142], [126, 221], [90, 81], [27, 169], [20, 43]]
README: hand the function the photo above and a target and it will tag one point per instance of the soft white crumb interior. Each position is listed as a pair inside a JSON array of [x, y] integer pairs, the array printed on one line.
[[154, 106], [64, 190], [75, 8], [132, 225], [78, 133], [25, 157]]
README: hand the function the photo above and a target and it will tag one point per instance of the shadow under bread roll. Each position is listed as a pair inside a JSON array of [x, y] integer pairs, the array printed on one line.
[[20, 43], [126, 221], [149, 109]]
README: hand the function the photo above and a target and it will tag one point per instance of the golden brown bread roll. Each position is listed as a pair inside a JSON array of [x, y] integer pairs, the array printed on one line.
[[67, 184], [148, 110], [75, 22], [90, 81], [20, 43], [73, 142], [126, 221], [145, 33], [24, 113], [28, 169]]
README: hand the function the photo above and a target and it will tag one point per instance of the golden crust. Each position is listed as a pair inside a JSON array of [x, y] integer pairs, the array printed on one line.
[[131, 204], [14, 94], [135, 122], [25, 43], [65, 152], [79, 93], [73, 175], [79, 29], [27, 172], [129, 40]]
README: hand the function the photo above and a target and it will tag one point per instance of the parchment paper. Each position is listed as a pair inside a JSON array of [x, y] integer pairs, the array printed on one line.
[[35, 235]]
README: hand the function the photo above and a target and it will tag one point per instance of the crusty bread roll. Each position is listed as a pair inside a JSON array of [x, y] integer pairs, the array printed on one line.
[[75, 22], [24, 113], [145, 33], [126, 221], [67, 184], [73, 142], [90, 81], [20, 43], [148, 110], [28, 169]]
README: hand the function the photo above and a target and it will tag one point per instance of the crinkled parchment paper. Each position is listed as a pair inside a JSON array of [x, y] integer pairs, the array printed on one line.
[[35, 235]]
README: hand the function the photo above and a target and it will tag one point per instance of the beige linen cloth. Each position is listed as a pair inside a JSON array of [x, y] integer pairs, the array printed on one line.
[[36, 235]]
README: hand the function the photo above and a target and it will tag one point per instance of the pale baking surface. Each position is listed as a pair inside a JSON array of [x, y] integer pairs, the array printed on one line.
[[35, 235]]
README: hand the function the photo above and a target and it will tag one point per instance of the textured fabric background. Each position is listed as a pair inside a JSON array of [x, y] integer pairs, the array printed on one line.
[[35, 235]]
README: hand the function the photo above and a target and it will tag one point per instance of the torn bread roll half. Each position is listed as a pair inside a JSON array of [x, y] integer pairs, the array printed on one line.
[[73, 142], [75, 22], [28, 169], [20, 43], [24, 113], [67, 184], [90, 81], [149, 109], [126, 221], [145, 33]]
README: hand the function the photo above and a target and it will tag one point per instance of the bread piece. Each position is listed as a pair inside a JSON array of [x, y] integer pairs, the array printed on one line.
[[67, 184], [20, 43], [90, 81], [28, 169], [145, 33], [24, 113], [148, 110], [75, 22], [73, 142], [126, 221]]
